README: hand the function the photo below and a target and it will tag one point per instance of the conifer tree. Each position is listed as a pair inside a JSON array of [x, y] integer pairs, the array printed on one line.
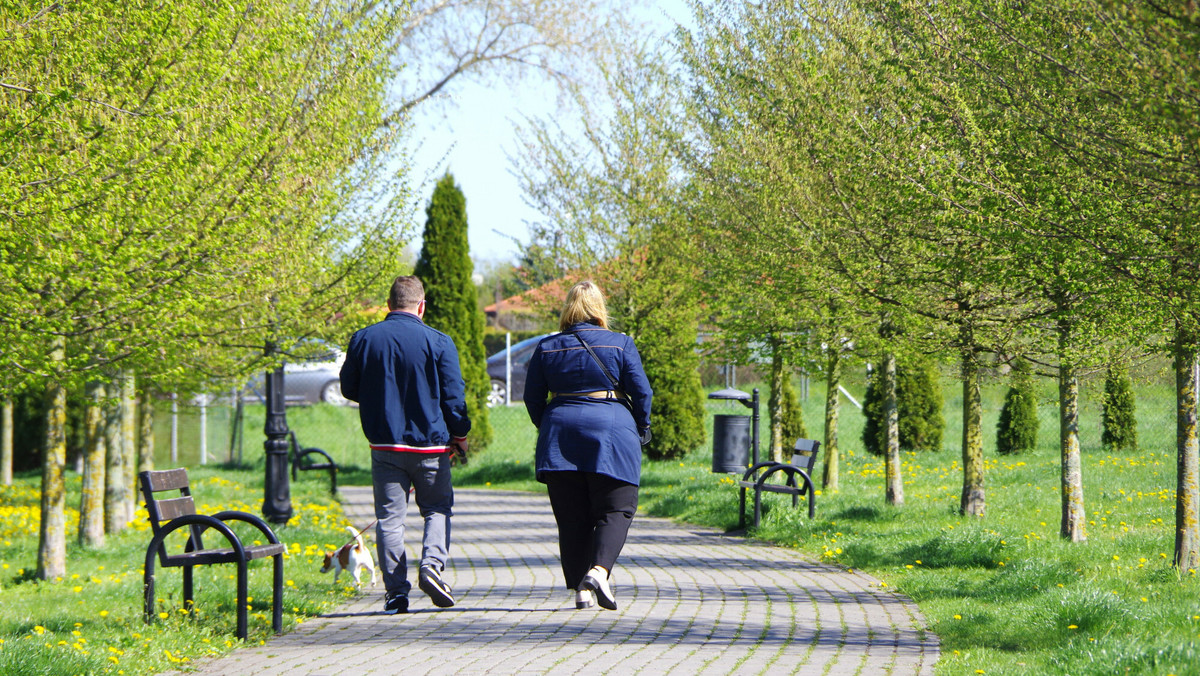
[[1120, 423], [445, 267], [918, 409], [793, 417], [872, 408], [1017, 430], [919, 395]]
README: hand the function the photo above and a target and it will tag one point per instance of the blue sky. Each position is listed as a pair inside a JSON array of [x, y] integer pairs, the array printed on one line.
[[474, 137]]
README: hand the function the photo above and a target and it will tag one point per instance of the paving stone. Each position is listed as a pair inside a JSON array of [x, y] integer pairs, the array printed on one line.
[[691, 600]]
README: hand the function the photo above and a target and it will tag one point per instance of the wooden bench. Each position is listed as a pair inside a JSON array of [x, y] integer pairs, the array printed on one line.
[[168, 514], [799, 480], [301, 462]]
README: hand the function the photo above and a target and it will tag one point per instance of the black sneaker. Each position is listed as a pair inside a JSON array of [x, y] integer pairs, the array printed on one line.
[[395, 604], [430, 582]]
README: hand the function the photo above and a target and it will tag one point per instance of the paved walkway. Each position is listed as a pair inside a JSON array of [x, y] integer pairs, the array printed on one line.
[[691, 601]]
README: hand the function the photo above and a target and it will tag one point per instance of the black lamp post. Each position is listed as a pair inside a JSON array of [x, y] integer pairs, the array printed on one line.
[[277, 498], [750, 401]]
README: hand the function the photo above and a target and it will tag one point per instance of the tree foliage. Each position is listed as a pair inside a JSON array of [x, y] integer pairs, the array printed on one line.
[[181, 189]]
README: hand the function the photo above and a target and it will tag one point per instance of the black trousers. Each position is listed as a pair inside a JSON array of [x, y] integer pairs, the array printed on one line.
[[593, 512]]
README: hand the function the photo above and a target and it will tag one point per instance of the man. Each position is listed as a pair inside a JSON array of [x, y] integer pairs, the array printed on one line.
[[412, 405]]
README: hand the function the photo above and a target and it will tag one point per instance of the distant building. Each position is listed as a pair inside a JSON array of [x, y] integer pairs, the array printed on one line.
[[533, 310]]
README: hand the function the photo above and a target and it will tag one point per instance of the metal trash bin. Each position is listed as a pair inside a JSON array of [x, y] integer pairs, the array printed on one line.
[[731, 444]]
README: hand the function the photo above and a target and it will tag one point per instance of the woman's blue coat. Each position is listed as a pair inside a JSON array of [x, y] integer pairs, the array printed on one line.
[[584, 434]]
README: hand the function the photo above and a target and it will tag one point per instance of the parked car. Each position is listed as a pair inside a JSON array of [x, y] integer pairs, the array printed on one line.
[[497, 371], [309, 381]]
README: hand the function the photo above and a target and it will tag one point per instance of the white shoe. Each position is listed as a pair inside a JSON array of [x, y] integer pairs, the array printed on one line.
[[584, 598], [597, 581]]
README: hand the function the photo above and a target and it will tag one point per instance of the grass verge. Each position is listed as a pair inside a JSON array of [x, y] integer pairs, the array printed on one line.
[[90, 621]]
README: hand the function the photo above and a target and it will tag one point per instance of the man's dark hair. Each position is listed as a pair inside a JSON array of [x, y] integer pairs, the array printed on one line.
[[407, 291]]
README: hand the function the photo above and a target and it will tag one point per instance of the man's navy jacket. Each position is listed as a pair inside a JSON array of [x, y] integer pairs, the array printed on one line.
[[408, 385]]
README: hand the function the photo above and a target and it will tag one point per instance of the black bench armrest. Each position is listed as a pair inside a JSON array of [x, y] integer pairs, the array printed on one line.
[[251, 519], [157, 543]]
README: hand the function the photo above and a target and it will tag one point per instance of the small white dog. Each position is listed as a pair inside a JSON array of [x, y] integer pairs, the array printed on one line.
[[353, 557]]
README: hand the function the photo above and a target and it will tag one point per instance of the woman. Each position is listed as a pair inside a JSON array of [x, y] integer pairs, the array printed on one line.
[[590, 430]]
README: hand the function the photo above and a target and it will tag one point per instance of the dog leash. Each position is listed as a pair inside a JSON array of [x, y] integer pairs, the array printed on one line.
[[360, 532]]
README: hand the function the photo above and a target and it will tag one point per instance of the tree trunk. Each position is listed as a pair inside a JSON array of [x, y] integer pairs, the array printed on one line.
[[891, 421], [1073, 515], [145, 408], [52, 534], [833, 378], [972, 502], [1187, 478], [114, 477], [91, 501], [129, 442], [6, 443], [775, 405]]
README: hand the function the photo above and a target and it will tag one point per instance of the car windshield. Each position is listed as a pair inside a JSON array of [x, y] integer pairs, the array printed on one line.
[[517, 347], [521, 351]]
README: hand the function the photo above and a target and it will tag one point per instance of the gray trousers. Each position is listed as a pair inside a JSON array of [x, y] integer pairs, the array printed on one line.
[[393, 473]]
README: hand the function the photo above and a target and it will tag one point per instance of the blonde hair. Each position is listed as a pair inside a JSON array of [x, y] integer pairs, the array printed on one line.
[[585, 303]]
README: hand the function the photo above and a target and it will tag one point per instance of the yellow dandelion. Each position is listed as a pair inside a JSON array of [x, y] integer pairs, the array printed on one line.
[[1072, 626], [103, 613], [39, 629], [958, 617]]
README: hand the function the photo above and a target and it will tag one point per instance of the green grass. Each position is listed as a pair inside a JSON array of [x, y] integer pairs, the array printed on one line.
[[90, 622], [1004, 593]]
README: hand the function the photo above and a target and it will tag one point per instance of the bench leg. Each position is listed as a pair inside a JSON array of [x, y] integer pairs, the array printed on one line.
[[757, 506], [189, 597], [148, 583], [277, 600], [148, 586], [241, 600], [742, 509]]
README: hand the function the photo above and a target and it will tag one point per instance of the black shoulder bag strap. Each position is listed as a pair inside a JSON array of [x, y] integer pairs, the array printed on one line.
[[644, 435], [615, 385]]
